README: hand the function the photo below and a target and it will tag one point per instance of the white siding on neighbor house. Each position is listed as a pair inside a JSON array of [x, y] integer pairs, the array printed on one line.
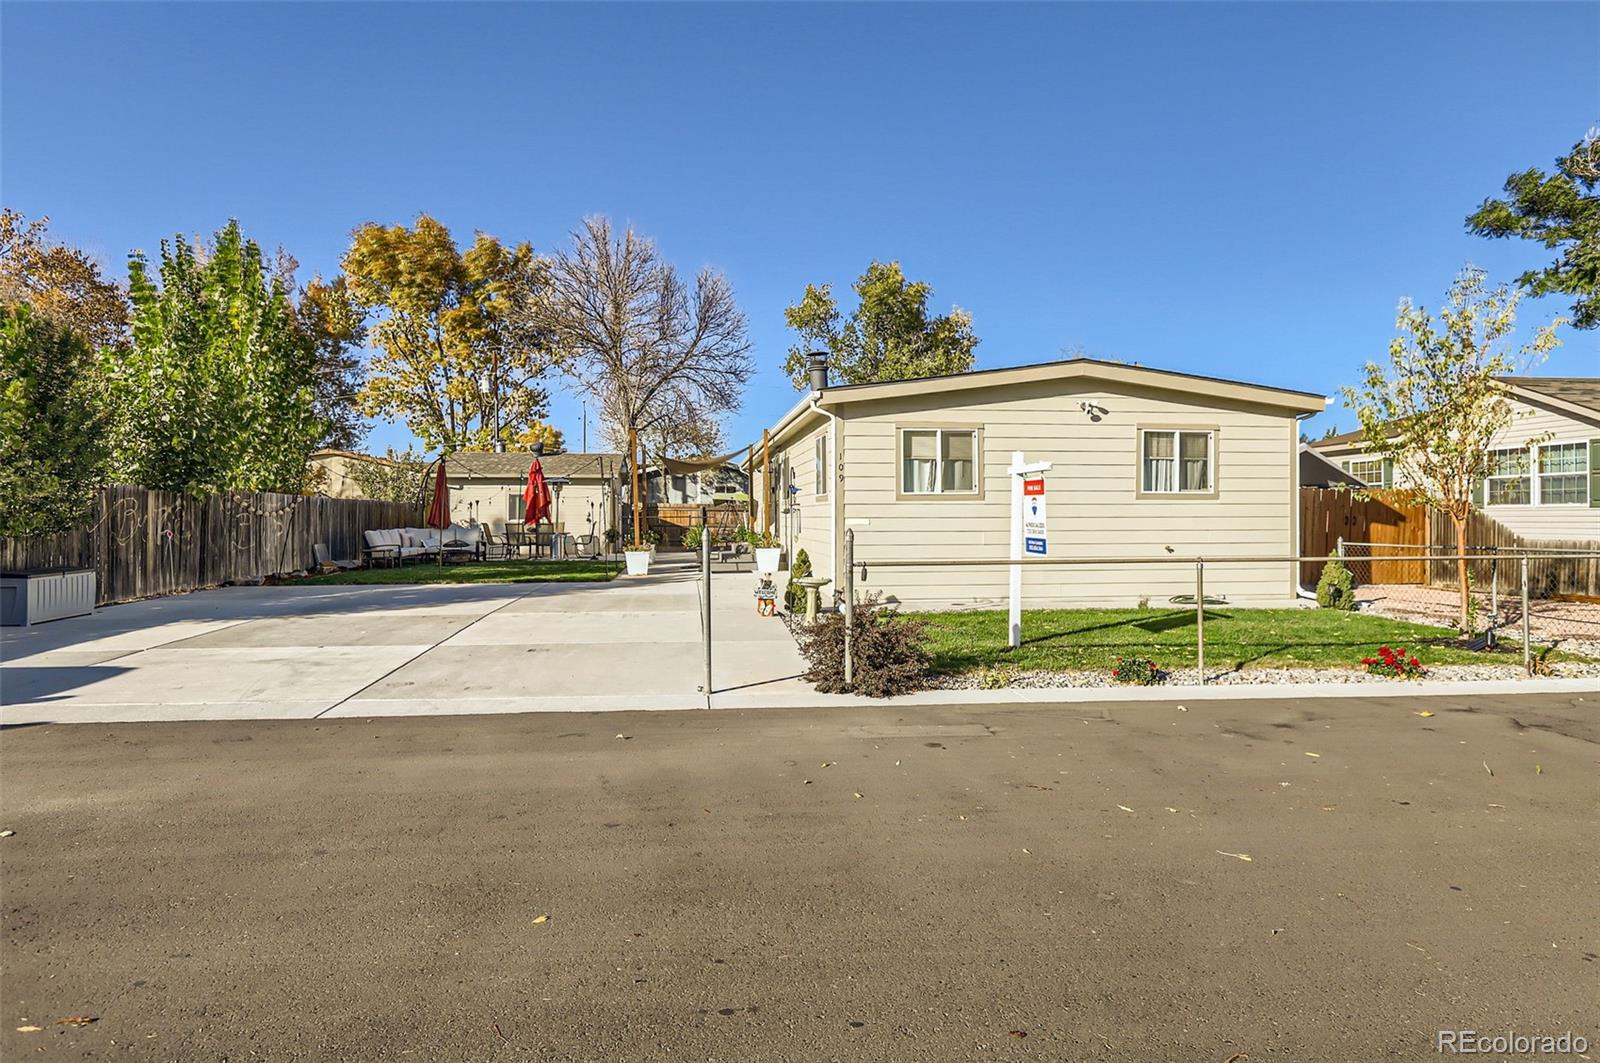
[[1094, 508], [807, 527], [494, 506], [1531, 423]]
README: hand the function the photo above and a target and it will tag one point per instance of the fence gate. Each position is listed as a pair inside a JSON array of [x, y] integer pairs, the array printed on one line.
[[1327, 516]]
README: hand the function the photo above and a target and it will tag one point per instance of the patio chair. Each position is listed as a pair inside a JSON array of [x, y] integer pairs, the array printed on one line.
[[494, 549], [587, 546]]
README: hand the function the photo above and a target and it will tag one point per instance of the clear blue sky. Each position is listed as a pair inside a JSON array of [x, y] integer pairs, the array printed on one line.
[[1237, 190]]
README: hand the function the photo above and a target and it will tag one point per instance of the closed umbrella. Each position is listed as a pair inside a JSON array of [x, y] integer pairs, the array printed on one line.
[[535, 496], [439, 507]]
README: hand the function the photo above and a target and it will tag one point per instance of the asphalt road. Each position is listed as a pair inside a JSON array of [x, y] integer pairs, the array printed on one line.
[[1032, 883]]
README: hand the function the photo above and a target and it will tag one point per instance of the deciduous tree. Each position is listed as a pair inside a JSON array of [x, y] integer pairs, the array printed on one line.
[[1560, 210], [641, 340], [394, 477], [460, 349], [52, 425], [336, 328], [888, 336], [216, 390], [1437, 405], [60, 282]]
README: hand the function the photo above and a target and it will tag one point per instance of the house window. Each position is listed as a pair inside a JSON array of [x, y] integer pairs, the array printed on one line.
[[516, 507], [820, 486], [1367, 470], [1177, 462], [1564, 474], [939, 461], [1508, 482]]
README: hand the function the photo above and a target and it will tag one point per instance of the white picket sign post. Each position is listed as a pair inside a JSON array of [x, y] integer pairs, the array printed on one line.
[[1033, 538]]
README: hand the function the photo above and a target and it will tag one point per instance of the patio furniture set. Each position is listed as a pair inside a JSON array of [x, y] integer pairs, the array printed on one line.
[[474, 542]]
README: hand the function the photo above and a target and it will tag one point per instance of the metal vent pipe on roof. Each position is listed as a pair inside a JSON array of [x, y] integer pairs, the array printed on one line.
[[817, 364]]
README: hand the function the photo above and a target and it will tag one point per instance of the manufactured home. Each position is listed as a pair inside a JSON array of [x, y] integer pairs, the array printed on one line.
[[1145, 464], [1544, 467]]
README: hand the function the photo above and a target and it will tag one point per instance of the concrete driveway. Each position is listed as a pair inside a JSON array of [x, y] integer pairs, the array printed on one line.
[[302, 652]]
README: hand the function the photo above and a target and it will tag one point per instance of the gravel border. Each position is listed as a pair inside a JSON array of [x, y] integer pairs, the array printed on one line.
[[1026, 679]]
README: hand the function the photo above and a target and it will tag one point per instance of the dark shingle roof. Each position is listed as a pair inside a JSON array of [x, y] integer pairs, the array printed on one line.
[[1577, 390], [513, 465]]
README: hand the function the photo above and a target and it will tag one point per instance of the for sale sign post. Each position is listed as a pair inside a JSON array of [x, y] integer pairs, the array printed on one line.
[[1033, 515]]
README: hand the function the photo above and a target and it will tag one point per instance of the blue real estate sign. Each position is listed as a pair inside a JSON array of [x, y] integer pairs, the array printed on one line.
[[1033, 515]]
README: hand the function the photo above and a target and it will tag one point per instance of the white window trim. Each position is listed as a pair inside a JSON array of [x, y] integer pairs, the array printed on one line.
[[1350, 467], [1210, 490], [939, 432], [819, 465], [1535, 492]]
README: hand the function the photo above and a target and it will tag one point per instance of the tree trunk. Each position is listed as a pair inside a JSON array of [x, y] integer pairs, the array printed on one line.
[[1461, 570]]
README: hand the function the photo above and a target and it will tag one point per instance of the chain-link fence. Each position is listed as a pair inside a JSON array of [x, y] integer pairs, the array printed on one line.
[[1555, 595], [1218, 615]]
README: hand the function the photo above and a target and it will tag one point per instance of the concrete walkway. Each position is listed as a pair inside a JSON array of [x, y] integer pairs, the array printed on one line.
[[303, 652]]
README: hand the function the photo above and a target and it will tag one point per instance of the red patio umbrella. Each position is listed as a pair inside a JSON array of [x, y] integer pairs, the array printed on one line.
[[536, 495], [439, 507]]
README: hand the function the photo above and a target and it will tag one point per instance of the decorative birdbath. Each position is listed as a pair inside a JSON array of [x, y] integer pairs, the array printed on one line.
[[812, 584]]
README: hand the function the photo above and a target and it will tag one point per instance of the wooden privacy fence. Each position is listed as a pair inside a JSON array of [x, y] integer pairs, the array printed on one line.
[[670, 521], [1327, 516], [143, 543], [1382, 524]]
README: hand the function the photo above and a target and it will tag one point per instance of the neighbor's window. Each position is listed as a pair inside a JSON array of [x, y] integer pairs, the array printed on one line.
[[939, 461], [1564, 474], [1508, 482], [820, 471], [1367, 470], [516, 507], [1178, 462]]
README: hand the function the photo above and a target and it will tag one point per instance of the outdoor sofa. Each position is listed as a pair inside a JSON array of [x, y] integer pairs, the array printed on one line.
[[417, 544]]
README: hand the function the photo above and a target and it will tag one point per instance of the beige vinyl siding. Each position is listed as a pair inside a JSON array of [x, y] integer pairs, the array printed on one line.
[[1094, 511], [807, 527], [1534, 522]]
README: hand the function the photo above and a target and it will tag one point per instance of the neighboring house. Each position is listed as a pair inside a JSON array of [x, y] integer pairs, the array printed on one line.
[[487, 487], [331, 472], [1146, 464], [1544, 480], [691, 481], [1318, 471]]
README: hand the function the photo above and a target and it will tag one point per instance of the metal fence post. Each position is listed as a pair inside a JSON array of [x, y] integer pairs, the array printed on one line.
[[1339, 547], [849, 606], [1200, 618], [705, 576], [1527, 641]]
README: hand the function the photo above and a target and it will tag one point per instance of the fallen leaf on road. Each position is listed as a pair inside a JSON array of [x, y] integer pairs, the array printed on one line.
[[1183, 708], [1492, 805], [1125, 808], [1172, 810], [540, 919], [624, 738], [1237, 856], [858, 796], [806, 782], [1488, 769], [27, 1029], [1019, 1033], [6, 833], [1314, 755], [1237, 1057], [1424, 712], [77, 1020], [827, 764], [1026, 851], [1538, 769]]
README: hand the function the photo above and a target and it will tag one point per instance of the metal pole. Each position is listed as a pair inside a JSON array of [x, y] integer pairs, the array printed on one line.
[[849, 606], [1527, 642], [1494, 591], [1200, 618], [705, 576]]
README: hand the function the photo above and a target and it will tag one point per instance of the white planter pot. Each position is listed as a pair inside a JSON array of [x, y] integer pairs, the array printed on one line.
[[768, 558], [638, 562]]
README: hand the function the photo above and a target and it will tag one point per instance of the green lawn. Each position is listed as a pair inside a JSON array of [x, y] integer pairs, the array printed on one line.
[[1091, 639], [477, 572]]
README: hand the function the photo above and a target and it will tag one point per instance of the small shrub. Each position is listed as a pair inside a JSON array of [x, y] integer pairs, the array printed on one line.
[[996, 678], [1396, 664], [692, 538], [888, 652], [1141, 671], [794, 597], [1336, 589]]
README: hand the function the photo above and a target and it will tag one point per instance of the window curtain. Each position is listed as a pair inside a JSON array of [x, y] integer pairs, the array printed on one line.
[[959, 468], [921, 458], [1158, 463], [1193, 448]]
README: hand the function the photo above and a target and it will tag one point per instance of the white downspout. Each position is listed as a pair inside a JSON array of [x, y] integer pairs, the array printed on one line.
[[834, 501]]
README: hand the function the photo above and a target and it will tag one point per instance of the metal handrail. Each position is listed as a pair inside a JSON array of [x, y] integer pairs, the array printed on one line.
[[1190, 559]]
